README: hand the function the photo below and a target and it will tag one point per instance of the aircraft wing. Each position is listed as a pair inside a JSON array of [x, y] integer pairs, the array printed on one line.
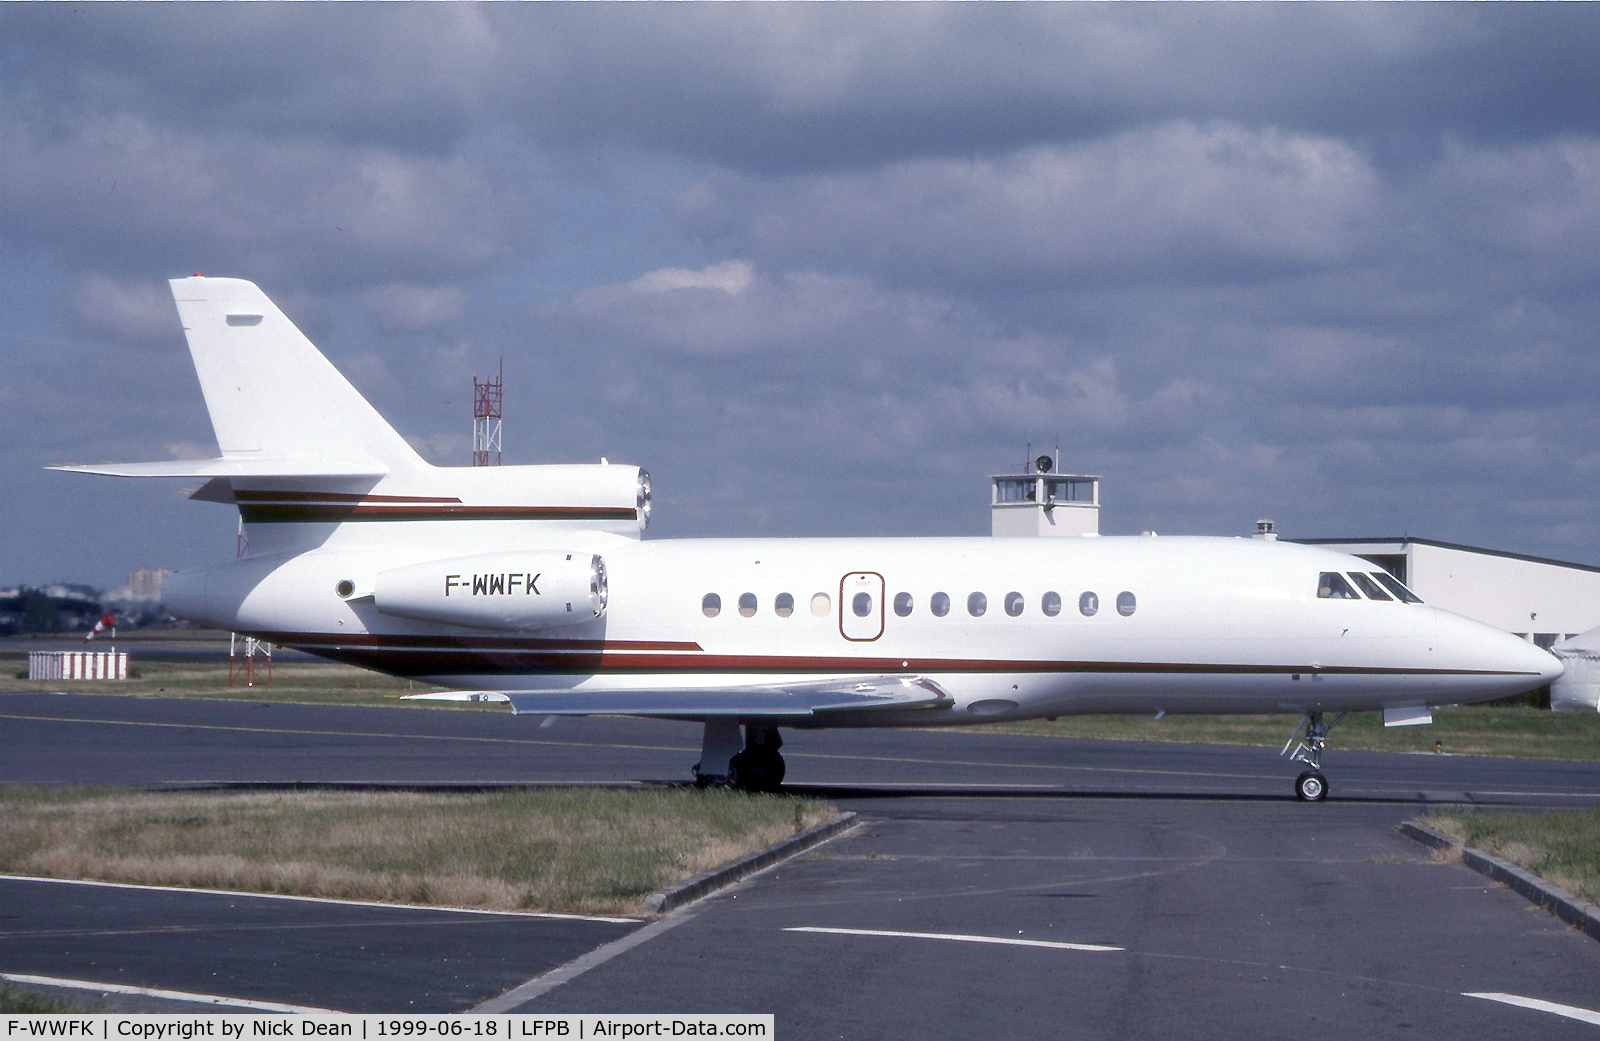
[[783, 701]]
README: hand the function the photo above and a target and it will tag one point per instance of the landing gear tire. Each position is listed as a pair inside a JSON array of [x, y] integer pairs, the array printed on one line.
[[1311, 786], [756, 770]]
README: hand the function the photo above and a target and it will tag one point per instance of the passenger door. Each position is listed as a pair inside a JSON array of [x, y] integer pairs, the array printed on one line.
[[861, 606]]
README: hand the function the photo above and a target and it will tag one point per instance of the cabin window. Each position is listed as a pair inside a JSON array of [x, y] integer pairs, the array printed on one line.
[[820, 605], [1126, 604], [1395, 586], [939, 604], [977, 603], [711, 605], [747, 604], [1369, 587], [783, 606], [1050, 604], [902, 604], [861, 604], [1088, 604], [1334, 586], [1014, 604]]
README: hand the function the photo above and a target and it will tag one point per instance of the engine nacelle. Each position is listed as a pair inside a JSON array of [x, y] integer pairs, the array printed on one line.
[[511, 591]]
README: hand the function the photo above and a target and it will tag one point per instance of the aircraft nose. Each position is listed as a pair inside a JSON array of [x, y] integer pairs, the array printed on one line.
[[1504, 664]]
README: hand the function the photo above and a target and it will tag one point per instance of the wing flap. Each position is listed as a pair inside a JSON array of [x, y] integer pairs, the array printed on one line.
[[787, 701]]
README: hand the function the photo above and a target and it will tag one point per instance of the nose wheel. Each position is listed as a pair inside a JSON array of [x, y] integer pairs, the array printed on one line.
[[1305, 746], [1311, 786]]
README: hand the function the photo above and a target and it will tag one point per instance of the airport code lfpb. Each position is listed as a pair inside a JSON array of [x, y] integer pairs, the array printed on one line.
[[223, 1027]]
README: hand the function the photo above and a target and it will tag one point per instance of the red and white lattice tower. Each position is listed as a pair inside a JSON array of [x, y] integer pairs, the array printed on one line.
[[486, 418]]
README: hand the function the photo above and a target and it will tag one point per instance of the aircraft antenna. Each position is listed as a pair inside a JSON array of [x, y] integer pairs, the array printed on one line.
[[486, 417]]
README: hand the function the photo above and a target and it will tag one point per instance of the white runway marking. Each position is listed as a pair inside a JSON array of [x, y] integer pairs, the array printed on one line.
[[959, 937], [1582, 1015], [321, 900], [170, 995]]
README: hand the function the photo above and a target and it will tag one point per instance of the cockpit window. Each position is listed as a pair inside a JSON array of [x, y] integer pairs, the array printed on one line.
[[1395, 586], [1369, 587], [1334, 586]]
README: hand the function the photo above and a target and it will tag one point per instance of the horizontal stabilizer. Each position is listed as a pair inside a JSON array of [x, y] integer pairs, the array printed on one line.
[[230, 467], [789, 701]]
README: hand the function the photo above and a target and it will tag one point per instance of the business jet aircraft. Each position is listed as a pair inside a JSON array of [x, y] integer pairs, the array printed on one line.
[[532, 585]]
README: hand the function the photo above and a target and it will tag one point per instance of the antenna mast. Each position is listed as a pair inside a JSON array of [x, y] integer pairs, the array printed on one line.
[[486, 418]]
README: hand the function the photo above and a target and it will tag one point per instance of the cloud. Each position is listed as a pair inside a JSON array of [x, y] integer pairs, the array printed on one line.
[[408, 308], [123, 193], [139, 311], [1214, 203]]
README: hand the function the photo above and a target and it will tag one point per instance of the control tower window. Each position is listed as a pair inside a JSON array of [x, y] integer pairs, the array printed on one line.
[[1334, 586], [1015, 489]]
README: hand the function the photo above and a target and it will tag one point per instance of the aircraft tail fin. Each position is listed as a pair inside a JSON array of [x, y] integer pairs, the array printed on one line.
[[277, 405]]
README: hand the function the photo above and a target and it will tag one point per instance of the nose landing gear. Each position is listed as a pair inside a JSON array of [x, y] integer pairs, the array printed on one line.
[[1310, 786]]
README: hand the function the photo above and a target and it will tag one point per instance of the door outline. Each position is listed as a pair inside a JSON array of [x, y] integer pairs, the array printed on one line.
[[852, 628]]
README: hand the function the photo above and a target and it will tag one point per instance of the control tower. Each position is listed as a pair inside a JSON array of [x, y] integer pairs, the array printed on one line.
[[1040, 501]]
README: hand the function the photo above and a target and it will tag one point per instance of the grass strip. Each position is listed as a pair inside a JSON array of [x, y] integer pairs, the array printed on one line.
[[305, 682], [1560, 846], [20, 1001], [1519, 731], [580, 851]]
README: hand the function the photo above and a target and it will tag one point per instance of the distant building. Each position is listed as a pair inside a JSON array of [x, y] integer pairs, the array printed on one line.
[[1543, 600], [146, 584]]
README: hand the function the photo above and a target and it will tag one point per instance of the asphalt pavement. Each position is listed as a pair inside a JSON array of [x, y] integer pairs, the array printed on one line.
[[998, 886]]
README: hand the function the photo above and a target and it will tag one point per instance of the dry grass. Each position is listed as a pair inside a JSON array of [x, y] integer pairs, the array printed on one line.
[[1560, 846], [588, 851]]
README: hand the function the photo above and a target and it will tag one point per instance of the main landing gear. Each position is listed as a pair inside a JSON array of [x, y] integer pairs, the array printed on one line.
[[751, 764], [1310, 786]]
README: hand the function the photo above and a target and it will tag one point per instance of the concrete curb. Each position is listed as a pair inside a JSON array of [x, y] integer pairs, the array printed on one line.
[[715, 879], [1574, 910]]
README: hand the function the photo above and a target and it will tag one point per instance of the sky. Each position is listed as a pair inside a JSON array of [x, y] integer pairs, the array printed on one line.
[[823, 269]]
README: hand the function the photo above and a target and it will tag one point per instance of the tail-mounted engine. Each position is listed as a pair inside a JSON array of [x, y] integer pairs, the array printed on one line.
[[508, 591]]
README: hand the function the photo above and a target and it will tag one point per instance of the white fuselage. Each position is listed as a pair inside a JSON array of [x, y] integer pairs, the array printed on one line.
[[1179, 625]]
